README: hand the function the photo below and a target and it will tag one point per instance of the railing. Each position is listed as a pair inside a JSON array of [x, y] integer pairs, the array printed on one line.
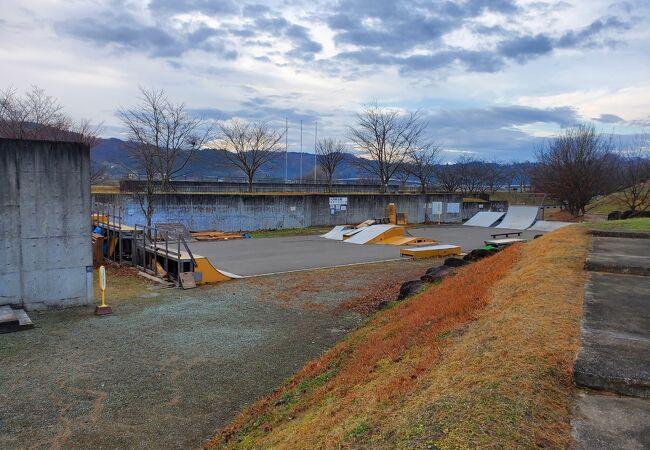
[[152, 241]]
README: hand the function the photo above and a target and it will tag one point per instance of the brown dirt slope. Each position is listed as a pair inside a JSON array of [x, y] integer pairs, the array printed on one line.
[[481, 360]]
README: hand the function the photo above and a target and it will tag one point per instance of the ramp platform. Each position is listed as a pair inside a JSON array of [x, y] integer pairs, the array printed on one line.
[[484, 219], [547, 225], [431, 251], [519, 217]]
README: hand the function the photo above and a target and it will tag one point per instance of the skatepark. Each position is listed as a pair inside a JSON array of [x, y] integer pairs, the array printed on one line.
[[249, 257]]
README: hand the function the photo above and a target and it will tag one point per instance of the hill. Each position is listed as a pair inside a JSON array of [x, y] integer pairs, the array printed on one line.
[[481, 360], [115, 155]]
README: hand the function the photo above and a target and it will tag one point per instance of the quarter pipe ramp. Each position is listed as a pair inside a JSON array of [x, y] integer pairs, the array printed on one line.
[[484, 219], [519, 217]]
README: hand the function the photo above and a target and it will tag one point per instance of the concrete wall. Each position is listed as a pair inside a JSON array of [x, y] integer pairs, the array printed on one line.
[[264, 186], [45, 224], [246, 212]]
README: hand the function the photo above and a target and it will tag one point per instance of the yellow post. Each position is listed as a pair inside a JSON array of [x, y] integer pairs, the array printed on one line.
[[103, 309]]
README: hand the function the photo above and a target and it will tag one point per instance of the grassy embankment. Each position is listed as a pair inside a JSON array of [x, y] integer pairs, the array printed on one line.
[[482, 359], [308, 231], [636, 224]]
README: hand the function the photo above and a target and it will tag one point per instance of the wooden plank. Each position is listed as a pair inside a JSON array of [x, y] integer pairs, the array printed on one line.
[[8, 320], [187, 280], [23, 319]]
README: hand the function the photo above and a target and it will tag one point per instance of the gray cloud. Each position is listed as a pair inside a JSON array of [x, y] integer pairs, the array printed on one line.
[[608, 118], [383, 31], [491, 131]]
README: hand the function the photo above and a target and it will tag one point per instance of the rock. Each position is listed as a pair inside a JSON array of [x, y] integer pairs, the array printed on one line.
[[478, 254], [383, 304], [455, 262], [410, 288], [626, 214], [634, 214], [437, 273], [614, 215]]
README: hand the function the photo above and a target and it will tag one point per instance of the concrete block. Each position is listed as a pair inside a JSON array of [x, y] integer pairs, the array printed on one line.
[[608, 422], [62, 252], [615, 336]]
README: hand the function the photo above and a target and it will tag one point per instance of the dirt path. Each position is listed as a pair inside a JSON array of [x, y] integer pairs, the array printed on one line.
[[170, 367]]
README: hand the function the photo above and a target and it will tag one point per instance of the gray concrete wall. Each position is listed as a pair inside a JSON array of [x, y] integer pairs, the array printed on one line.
[[44, 226], [246, 212], [264, 186]]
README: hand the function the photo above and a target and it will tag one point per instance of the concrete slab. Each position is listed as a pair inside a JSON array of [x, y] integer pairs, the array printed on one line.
[[620, 255], [549, 225], [615, 353], [608, 422], [248, 257]]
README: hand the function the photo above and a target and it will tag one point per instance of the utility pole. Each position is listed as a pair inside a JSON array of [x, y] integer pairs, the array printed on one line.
[[301, 150], [315, 145], [286, 150]]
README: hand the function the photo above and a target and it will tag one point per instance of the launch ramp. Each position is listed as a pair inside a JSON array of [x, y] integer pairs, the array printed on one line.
[[519, 217], [374, 234]]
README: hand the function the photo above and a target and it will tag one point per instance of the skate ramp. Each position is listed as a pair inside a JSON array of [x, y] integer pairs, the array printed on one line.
[[484, 219], [519, 217], [374, 234], [548, 225], [336, 233], [209, 273]]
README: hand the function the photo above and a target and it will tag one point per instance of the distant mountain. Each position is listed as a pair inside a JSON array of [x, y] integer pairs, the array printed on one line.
[[114, 154]]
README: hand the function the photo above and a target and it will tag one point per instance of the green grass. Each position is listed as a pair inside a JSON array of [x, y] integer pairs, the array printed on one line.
[[289, 232], [637, 224]]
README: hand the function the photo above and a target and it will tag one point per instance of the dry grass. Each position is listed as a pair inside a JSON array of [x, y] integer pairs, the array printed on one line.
[[122, 283], [481, 360]]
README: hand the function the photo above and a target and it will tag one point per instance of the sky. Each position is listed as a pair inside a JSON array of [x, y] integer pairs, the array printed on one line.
[[493, 78]]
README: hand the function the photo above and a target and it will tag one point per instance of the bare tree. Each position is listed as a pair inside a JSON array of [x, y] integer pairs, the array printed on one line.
[[576, 166], [35, 115], [384, 138], [493, 174], [422, 162], [329, 154], [249, 145], [634, 176], [39, 116], [472, 176], [448, 177], [163, 137], [166, 128], [520, 174]]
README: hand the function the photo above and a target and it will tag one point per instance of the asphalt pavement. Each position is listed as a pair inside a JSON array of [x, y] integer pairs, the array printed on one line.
[[248, 257]]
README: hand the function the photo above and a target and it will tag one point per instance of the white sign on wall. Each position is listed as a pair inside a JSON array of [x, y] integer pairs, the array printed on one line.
[[436, 207], [338, 204], [338, 201], [453, 208]]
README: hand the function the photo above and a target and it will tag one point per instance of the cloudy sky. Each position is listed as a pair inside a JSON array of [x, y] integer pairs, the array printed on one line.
[[491, 76]]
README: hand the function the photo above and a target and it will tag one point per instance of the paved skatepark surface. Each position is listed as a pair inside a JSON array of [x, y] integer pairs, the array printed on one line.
[[247, 257]]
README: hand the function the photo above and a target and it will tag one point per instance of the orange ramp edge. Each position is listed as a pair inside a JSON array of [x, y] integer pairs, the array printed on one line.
[[433, 251], [209, 274]]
